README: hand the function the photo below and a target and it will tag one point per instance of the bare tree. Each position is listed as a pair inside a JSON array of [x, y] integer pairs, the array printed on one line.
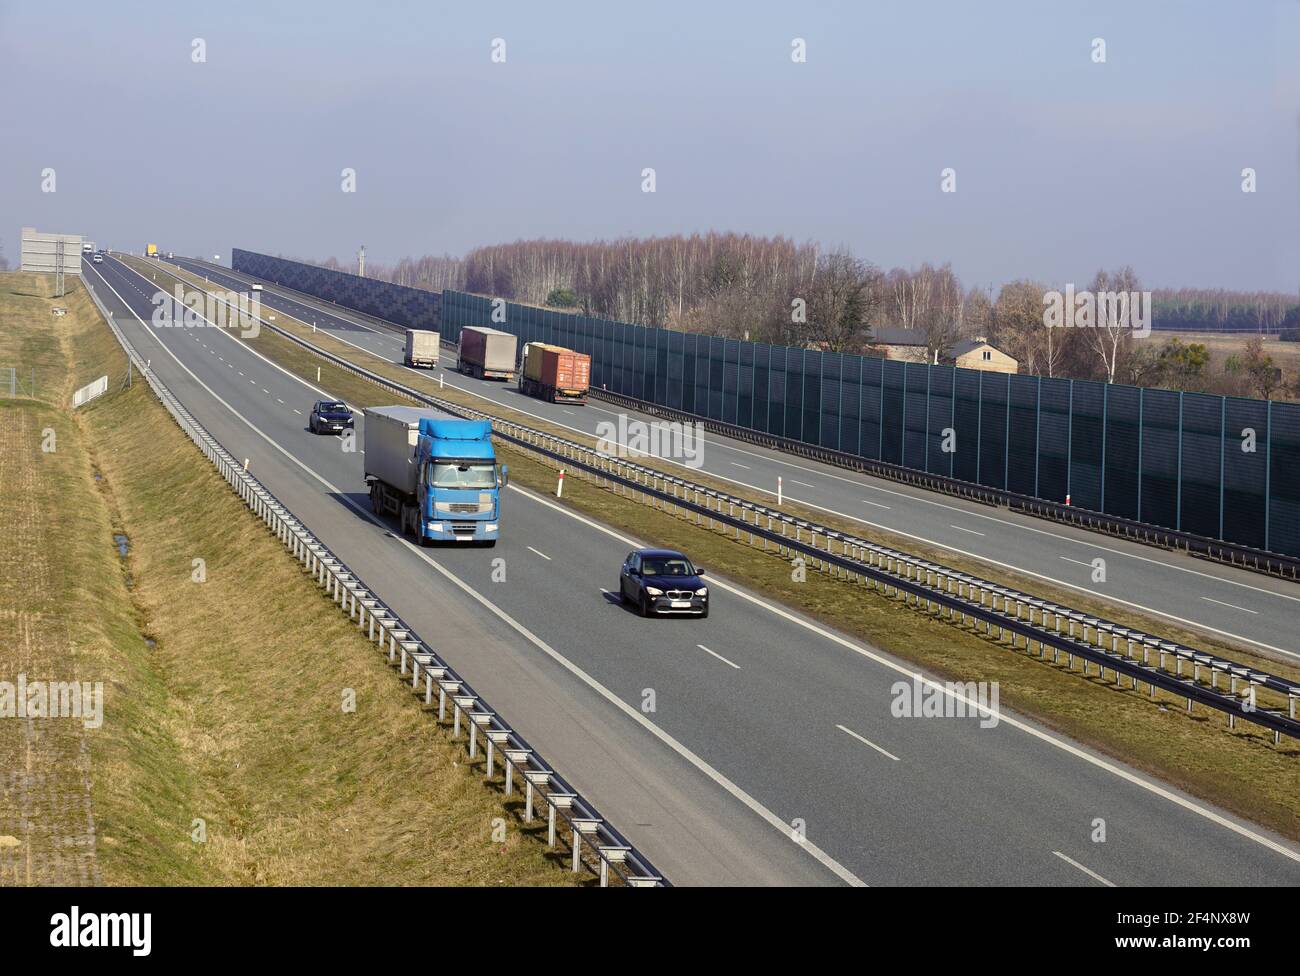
[[1111, 337]]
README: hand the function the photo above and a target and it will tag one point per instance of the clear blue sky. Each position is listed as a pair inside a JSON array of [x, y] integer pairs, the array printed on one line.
[[1062, 165]]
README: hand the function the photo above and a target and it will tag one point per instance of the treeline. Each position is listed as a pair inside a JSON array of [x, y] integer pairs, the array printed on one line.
[[772, 289], [1216, 309]]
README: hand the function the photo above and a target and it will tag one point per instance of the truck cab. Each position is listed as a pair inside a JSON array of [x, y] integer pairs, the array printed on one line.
[[458, 487], [435, 472]]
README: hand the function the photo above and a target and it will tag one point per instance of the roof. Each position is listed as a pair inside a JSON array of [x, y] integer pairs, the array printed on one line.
[[970, 345], [667, 553], [487, 329], [888, 335], [411, 416]]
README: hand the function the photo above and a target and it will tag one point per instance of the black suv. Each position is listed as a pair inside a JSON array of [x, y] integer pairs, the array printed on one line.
[[329, 417], [662, 581]]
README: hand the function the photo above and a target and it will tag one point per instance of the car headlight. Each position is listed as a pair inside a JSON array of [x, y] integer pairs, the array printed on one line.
[[653, 591], [702, 591], [435, 526], [490, 527]]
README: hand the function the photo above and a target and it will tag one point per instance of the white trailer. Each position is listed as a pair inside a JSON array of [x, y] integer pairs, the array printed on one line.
[[421, 348]]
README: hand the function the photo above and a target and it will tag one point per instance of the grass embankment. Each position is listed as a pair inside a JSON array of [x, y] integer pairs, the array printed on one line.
[[224, 699], [1240, 770]]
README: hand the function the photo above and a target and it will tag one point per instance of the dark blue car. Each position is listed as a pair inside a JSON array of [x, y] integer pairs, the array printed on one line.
[[663, 581], [330, 417]]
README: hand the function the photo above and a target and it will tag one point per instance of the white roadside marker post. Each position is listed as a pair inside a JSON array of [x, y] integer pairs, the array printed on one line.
[[559, 485], [779, 489]]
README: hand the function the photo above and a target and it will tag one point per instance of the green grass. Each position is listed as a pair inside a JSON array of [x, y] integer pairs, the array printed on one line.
[[1239, 769], [234, 716]]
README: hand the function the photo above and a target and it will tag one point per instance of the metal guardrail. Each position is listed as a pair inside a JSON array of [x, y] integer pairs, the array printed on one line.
[[1246, 557], [594, 842], [967, 596]]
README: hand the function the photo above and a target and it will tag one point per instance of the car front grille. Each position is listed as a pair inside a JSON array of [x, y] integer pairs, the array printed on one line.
[[679, 594]]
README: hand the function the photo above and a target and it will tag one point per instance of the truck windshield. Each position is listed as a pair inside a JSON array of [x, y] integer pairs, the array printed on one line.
[[463, 475]]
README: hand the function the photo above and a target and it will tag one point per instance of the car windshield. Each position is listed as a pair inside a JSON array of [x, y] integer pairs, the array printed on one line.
[[333, 408], [667, 566], [464, 475]]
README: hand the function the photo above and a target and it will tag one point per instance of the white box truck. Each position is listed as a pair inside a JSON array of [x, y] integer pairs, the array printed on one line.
[[421, 348]]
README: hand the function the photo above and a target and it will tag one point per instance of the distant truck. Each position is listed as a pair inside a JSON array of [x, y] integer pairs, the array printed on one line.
[[486, 353], [151, 250], [435, 472], [421, 348], [87, 247], [555, 373]]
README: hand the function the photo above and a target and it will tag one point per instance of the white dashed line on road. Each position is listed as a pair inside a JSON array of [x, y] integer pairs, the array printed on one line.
[[718, 656], [868, 742], [1090, 873]]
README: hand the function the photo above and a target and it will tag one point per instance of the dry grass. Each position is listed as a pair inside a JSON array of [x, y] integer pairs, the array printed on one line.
[[1239, 769], [235, 716]]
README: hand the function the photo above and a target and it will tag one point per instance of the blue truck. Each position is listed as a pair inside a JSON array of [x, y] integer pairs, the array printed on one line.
[[435, 472]]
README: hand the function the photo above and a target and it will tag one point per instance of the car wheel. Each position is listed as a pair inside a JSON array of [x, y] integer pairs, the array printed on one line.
[[705, 612], [645, 607], [622, 594]]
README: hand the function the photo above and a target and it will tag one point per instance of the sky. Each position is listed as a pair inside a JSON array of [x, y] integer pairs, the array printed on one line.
[[1063, 165]]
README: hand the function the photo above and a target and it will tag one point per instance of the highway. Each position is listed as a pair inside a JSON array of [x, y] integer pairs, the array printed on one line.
[[1255, 611], [764, 724]]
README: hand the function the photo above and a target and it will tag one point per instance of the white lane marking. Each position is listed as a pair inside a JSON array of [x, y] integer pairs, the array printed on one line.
[[278, 400], [266, 391], [1077, 562], [249, 349], [1090, 873], [803, 483], [298, 412], [865, 502], [718, 656], [540, 553], [1231, 605], [739, 465], [962, 528], [866, 741], [633, 713], [570, 413], [1068, 747], [933, 542]]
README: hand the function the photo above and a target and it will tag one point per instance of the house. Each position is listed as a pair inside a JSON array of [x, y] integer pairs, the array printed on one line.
[[979, 354], [907, 345]]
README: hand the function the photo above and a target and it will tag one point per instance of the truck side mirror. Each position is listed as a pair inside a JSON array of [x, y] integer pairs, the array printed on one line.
[[504, 478]]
